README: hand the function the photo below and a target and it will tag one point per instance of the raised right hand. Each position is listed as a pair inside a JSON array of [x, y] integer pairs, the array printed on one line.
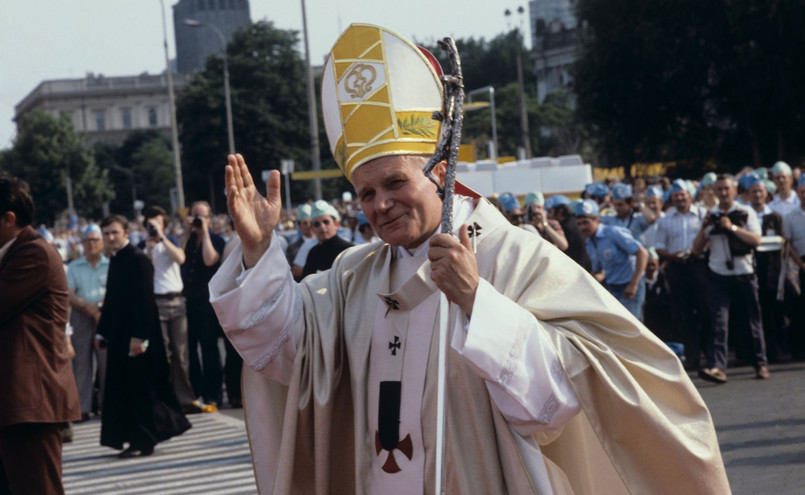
[[254, 216]]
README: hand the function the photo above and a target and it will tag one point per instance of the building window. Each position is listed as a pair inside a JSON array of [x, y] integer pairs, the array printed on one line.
[[126, 117], [100, 120], [152, 117]]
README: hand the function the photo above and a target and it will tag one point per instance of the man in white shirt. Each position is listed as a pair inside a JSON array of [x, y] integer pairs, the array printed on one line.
[[167, 256], [345, 399], [687, 274], [786, 200], [731, 231]]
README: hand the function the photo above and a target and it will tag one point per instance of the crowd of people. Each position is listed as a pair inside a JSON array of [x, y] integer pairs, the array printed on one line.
[[706, 264]]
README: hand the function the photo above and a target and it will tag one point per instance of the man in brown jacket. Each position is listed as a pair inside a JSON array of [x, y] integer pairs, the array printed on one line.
[[37, 391]]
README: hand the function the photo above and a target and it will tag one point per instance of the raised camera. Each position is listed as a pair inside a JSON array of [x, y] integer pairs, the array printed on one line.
[[197, 222]]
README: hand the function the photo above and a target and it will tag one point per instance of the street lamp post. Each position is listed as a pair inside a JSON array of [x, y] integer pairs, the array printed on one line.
[[177, 159], [311, 102], [227, 96], [491, 90]]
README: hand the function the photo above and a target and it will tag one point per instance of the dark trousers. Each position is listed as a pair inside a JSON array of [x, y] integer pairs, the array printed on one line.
[[30, 459], [203, 331], [736, 290], [689, 307]]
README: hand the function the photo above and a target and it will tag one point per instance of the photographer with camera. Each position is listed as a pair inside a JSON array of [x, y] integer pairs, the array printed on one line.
[[203, 250], [167, 256], [731, 230]]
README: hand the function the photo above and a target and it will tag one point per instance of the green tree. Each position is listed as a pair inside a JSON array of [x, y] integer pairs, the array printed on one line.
[[692, 82], [269, 107], [45, 150]]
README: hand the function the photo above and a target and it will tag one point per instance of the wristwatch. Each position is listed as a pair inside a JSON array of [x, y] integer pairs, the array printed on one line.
[[734, 228]]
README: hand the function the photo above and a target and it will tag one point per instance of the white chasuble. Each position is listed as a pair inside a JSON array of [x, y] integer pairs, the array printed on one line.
[[404, 320]]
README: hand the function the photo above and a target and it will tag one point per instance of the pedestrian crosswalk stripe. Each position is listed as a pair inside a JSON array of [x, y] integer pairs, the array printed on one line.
[[211, 458]]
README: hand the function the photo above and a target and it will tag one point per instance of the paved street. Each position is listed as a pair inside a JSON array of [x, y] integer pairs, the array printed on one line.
[[212, 458], [760, 426]]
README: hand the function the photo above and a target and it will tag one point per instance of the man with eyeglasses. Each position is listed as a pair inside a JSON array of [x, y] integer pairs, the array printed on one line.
[[325, 223], [86, 280]]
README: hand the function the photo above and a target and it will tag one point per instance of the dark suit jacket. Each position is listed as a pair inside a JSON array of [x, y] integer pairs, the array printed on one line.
[[36, 382]]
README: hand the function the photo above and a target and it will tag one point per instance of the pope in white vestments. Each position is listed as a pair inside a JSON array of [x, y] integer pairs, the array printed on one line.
[[553, 387]]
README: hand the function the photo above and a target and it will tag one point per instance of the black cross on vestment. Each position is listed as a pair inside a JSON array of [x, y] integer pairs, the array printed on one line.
[[474, 230], [393, 346]]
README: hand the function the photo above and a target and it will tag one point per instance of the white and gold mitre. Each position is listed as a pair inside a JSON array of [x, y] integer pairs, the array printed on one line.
[[378, 93]]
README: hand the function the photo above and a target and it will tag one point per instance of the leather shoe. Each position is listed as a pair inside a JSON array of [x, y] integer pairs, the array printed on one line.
[[762, 373], [135, 452], [713, 375]]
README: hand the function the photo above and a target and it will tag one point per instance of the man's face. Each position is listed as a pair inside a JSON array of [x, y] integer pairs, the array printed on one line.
[[515, 217], [200, 210], [304, 227], [757, 195], [681, 200], [587, 225], [115, 235], [654, 204], [651, 267], [324, 227], [782, 181], [622, 207], [725, 192], [400, 203], [93, 245]]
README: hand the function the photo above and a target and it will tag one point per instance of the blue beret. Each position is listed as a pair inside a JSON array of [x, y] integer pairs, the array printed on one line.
[[678, 185], [748, 180], [303, 212], [654, 191], [781, 168], [534, 197], [321, 208], [588, 207], [557, 200], [709, 179], [771, 187], [596, 189], [92, 228], [362, 220], [801, 181], [621, 191], [508, 202]]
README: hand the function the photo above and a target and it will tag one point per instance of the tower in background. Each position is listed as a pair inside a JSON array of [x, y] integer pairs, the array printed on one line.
[[193, 45], [554, 38]]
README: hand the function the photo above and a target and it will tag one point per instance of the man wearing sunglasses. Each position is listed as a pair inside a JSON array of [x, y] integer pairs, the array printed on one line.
[[324, 225]]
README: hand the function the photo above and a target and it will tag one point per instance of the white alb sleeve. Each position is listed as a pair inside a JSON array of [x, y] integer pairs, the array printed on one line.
[[260, 310], [523, 373]]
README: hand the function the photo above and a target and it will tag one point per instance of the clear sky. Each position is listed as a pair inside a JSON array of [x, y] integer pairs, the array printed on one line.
[[56, 39]]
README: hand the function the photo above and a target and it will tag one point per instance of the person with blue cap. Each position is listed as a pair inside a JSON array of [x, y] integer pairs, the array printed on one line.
[[602, 195], [536, 217], [618, 259], [86, 280], [654, 203], [794, 232], [511, 208], [366, 234], [731, 231], [303, 234], [706, 195], [786, 200], [768, 262], [629, 213], [558, 208], [324, 221], [687, 274]]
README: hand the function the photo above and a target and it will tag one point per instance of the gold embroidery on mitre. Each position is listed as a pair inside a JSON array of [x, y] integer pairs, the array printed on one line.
[[364, 64]]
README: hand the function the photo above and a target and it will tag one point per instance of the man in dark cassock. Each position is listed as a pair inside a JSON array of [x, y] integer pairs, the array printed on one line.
[[139, 406]]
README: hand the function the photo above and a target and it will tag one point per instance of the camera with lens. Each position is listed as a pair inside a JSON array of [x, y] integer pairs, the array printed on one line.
[[197, 222], [152, 231], [715, 221]]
